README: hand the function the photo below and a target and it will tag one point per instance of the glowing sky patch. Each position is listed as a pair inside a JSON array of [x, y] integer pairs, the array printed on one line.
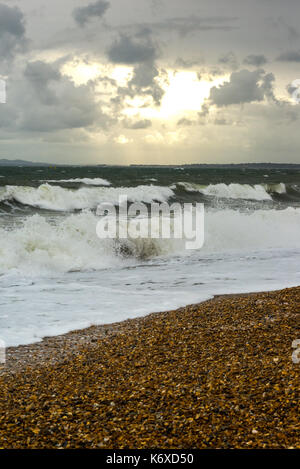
[[184, 94], [81, 72]]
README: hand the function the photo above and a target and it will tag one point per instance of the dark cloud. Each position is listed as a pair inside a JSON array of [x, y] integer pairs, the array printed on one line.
[[289, 56], [39, 75], [140, 51], [12, 31], [41, 99], [127, 50], [230, 60], [140, 124], [144, 83], [83, 15], [244, 87], [256, 60], [144, 75], [40, 72]]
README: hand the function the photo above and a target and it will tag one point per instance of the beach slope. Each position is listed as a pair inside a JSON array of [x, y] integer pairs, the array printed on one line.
[[218, 374]]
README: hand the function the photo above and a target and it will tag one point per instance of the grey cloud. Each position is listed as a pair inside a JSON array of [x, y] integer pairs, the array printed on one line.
[[40, 72], [289, 56], [186, 63], [256, 60], [83, 15], [140, 51], [267, 86], [156, 7], [291, 88], [185, 122], [144, 75], [144, 82], [43, 100], [187, 25], [204, 111], [244, 87], [293, 33], [132, 51], [230, 60], [221, 121], [136, 125], [12, 31], [39, 75]]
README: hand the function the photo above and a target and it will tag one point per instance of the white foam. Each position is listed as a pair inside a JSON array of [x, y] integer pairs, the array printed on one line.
[[242, 252], [86, 181], [71, 244], [237, 191], [275, 188], [61, 199]]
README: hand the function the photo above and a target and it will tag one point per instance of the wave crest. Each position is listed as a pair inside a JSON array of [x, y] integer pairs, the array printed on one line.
[[72, 244], [236, 191], [58, 198]]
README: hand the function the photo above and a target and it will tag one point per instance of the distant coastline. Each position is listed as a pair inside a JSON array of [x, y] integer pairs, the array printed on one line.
[[7, 162]]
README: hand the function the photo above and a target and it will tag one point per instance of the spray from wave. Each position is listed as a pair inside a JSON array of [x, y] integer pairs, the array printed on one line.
[[71, 244], [61, 199], [236, 191], [86, 181]]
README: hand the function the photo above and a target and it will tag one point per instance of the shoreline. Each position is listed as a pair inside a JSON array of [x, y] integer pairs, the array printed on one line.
[[217, 374], [58, 348]]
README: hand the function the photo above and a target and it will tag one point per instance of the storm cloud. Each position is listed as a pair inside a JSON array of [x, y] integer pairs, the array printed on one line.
[[244, 87], [255, 60], [43, 100], [212, 74], [83, 15], [12, 31], [289, 56], [127, 50]]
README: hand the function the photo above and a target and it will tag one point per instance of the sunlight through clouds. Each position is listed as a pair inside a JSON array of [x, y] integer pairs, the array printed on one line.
[[184, 93]]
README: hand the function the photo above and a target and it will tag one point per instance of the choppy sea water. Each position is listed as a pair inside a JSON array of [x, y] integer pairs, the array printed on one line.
[[56, 275]]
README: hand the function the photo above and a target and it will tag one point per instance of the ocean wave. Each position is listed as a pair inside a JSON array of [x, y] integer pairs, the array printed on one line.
[[86, 181], [57, 198], [71, 244], [236, 191]]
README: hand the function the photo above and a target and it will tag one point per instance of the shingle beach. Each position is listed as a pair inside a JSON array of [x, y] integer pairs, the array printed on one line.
[[218, 374]]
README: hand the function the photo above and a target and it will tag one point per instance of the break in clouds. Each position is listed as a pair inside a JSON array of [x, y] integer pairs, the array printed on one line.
[[150, 81]]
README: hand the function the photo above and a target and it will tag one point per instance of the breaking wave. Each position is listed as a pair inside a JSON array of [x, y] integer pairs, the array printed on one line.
[[71, 244], [86, 181], [237, 191], [61, 199], [64, 199]]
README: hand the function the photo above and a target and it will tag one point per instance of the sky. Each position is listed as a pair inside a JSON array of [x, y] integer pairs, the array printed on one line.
[[150, 81]]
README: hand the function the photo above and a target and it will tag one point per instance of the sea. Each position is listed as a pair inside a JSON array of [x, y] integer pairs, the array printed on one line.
[[57, 275]]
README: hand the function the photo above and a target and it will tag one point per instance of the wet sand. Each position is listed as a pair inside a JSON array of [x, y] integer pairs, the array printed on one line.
[[218, 374]]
